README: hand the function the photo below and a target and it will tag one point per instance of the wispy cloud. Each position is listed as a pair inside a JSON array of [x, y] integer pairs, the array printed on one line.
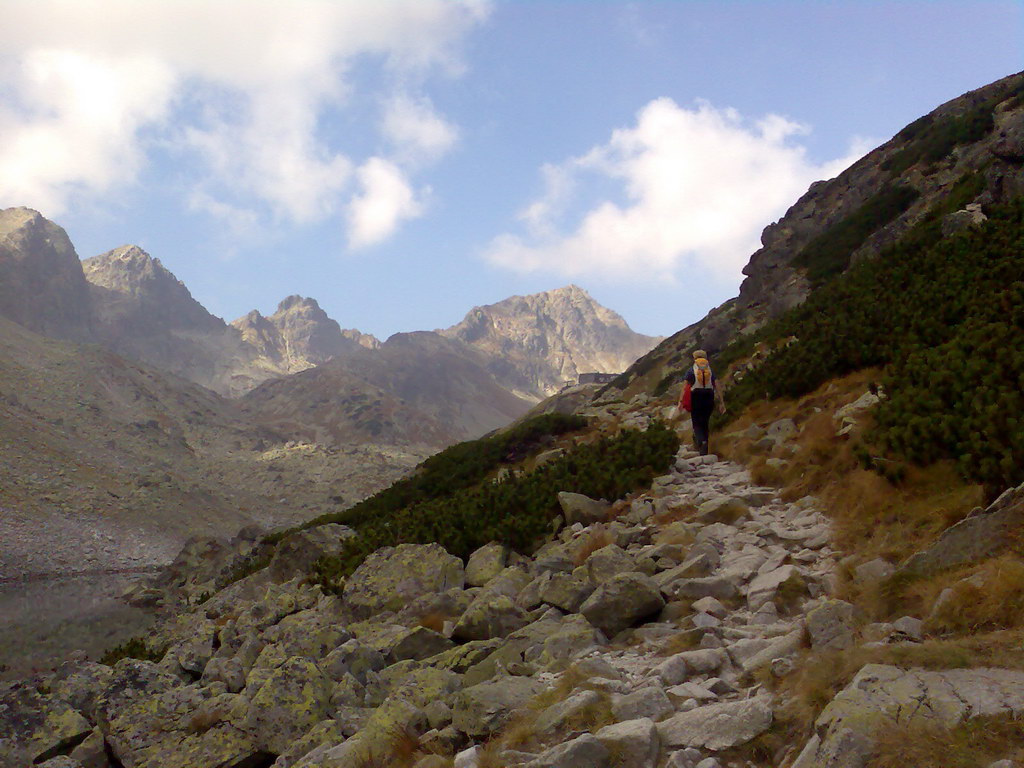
[[693, 188], [235, 90]]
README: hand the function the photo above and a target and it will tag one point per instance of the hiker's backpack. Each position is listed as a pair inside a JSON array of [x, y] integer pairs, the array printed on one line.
[[702, 378]]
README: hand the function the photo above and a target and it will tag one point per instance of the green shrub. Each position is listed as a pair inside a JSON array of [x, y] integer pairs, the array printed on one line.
[[453, 469], [134, 648], [518, 510], [945, 316]]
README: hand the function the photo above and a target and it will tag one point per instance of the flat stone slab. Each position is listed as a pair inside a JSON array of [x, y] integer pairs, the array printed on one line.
[[882, 695], [717, 726]]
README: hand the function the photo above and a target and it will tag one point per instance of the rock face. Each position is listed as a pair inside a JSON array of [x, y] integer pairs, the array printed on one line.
[[299, 335], [41, 282], [537, 343]]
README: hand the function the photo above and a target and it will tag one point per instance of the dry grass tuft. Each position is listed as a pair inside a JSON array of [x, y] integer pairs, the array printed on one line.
[[675, 513], [434, 621], [998, 603], [587, 545], [978, 741]]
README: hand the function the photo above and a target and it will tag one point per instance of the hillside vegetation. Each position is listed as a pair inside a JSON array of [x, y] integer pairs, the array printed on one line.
[[944, 315]]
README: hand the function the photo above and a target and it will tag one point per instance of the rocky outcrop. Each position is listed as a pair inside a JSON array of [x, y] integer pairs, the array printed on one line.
[[41, 282], [883, 696], [982, 534]]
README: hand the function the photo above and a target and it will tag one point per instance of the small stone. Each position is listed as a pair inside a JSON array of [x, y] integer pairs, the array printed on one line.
[[873, 571]]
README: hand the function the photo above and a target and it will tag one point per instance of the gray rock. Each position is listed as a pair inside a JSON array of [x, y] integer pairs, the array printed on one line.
[[724, 509], [764, 587], [621, 602], [564, 591], [585, 751], [681, 666], [420, 643], [650, 702], [833, 625], [485, 563], [711, 605], [490, 616], [294, 698], [980, 535], [297, 552], [606, 563], [632, 744], [684, 758], [394, 576], [717, 726], [578, 508], [483, 709], [909, 626], [34, 728], [882, 695], [873, 571], [719, 587], [781, 647], [567, 713], [782, 429]]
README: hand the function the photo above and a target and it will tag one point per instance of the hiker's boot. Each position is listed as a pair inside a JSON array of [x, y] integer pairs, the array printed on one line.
[[703, 448]]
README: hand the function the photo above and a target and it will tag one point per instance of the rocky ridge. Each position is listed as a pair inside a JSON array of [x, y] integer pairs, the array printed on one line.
[[642, 635], [938, 156]]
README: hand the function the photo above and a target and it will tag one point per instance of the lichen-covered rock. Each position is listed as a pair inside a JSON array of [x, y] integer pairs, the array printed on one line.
[[490, 616], [724, 509], [294, 697], [420, 643], [394, 576], [607, 563], [578, 508], [717, 726], [564, 591], [79, 683], [483, 709], [323, 735], [34, 728], [572, 637], [486, 563], [298, 551], [621, 602]]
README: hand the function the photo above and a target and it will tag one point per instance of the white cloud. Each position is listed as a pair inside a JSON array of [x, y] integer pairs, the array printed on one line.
[[699, 186], [416, 129], [386, 200], [235, 90]]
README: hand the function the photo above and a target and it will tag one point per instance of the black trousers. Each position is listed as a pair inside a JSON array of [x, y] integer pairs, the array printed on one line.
[[700, 416]]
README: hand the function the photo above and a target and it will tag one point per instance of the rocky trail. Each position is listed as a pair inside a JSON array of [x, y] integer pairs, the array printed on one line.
[[642, 636]]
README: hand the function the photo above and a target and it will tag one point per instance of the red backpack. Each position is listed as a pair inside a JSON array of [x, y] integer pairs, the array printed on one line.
[[686, 398]]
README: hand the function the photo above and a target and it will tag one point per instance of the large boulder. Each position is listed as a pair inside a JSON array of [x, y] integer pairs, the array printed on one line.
[[621, 602], [578, 508], [833, 625], [297, 552], [419, 643], [294, 698], [483, 709], [717, 726], [881, 696], [564, 591], [34, 728], [980, 535], [394, 576], [486, 563], [490, 616], [634, 743], [584, 751]]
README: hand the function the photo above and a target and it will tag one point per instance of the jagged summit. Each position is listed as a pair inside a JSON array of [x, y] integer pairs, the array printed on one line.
[[542, 340], [41, 282]]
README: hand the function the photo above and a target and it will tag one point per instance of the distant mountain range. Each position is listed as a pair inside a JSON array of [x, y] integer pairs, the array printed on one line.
[[424, 388]]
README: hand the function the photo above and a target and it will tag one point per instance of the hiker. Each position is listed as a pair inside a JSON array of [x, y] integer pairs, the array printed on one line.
[[700, 392]]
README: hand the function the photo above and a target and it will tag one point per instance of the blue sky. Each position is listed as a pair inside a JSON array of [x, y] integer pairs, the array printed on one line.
[[401, 161]]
